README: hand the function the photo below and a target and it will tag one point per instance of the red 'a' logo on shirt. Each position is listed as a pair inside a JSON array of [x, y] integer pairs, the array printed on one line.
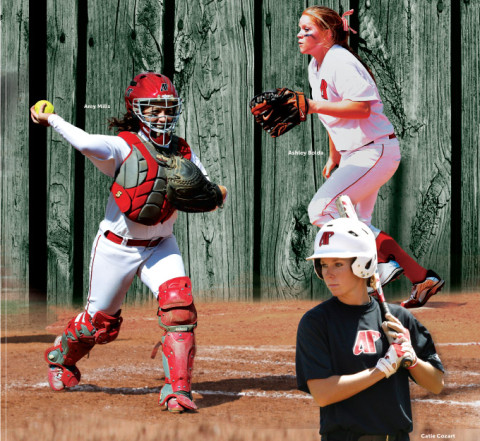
[[323, 89], [365, 342], [325, 239]]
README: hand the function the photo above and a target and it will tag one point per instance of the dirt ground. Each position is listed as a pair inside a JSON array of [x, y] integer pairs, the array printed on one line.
[[244, 378]]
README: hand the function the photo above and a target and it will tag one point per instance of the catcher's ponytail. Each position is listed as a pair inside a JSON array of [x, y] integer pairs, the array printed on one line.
[[128, 123], [326, 18]]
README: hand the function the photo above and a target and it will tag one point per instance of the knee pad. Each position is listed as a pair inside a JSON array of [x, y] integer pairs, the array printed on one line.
[[81, 335], [176, 310]]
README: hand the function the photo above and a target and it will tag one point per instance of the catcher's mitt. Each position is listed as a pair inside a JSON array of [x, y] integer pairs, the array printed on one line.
[[187, 187], [279, 110]]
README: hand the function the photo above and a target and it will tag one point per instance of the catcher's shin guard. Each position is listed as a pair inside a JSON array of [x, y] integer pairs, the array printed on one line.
[[80, 336], [178, 354], [178, 318]]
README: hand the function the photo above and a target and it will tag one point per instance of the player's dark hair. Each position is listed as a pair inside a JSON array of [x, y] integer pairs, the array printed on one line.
[[128, 123], [326, 18]]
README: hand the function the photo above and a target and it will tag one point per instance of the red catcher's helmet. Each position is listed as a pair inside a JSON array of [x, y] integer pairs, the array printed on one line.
[[153, 99]]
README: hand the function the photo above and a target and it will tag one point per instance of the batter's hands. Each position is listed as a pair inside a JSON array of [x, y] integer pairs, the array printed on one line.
[[409, 352], [40, 117], [329, 168], [392, 360], [393, 328]]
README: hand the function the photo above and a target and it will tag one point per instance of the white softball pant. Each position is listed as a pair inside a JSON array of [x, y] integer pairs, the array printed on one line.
[[359, 175], [113, 267]]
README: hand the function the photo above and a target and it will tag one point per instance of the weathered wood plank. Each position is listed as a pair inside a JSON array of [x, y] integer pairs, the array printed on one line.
[[14, 148], [291, 166], [411, 66], [124, 38], [214, 74], [470, 154], [61, 91]]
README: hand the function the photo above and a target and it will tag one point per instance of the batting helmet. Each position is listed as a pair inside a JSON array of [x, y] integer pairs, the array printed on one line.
[[155, 93], [343, 238]]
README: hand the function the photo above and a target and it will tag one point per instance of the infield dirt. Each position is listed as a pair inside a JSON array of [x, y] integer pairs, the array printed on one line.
[[244, 377]]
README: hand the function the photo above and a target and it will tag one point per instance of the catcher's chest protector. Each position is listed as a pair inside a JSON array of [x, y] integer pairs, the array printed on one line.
[[140, 184]]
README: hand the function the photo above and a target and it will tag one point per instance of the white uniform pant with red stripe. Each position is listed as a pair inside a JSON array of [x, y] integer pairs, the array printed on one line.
[[113, 267], [360, 175]]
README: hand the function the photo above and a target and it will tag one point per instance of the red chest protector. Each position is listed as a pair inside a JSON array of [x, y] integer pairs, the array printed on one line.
[[140, 183]]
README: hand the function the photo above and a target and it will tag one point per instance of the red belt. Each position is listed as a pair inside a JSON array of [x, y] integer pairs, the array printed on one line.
[[391, 136], [132, 242]]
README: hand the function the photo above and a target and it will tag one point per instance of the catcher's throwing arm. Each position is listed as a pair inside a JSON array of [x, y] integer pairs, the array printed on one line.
[[346, 209]]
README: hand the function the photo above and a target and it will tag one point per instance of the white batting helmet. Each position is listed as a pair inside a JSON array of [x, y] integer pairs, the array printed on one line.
[[344, 238]]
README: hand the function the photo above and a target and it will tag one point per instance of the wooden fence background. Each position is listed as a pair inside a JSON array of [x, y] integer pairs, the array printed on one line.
[[424, 54]]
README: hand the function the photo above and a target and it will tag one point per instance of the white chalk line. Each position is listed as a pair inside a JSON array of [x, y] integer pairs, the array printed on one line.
[[93, 375], [286, 348], [261, 348], [470, 343], [246, 393], [246, 375], [256, 394], [268, 377], [463, 373], [449, 402], [242, 361], [461, 386]]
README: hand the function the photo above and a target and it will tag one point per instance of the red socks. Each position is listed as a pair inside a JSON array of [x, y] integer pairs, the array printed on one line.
[[388, 249]]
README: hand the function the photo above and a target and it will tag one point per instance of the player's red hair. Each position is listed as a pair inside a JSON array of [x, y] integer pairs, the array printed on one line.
[[326, 18]]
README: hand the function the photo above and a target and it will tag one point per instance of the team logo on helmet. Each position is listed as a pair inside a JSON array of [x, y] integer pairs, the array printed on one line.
[[164, 87], [325, 239]]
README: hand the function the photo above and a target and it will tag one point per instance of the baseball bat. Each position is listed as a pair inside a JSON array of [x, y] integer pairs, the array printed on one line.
[[346, 209]]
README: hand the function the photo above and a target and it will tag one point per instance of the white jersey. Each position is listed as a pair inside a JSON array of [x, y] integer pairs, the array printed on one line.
[[107, 153], [342, 76]]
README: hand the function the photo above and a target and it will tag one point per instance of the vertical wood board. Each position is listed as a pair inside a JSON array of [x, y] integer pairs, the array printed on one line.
[[124, 38], [61, 91], [287, 171], [291, 165], [413, 78], [214, 75], [14, 149], [470, 164]]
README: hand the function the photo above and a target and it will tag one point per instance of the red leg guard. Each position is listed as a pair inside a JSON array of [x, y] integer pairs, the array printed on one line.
[[176, 310], [178, 354], [175, 292], [81, 334], [178, 317]]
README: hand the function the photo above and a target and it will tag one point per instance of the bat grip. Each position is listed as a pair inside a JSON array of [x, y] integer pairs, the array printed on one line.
[[407, 361]]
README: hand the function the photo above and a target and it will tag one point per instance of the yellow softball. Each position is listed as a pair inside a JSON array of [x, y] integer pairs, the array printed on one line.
[[48, 109]]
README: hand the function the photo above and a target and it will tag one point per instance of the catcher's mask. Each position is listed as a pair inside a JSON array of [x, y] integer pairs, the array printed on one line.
[[344, 238], [152, 97]]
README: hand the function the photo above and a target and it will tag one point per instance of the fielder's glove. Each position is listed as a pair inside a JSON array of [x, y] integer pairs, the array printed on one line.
[[279, 110], [188, 189]]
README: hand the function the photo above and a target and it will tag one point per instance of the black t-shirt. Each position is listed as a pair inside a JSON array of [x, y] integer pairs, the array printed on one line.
[[338, 339]]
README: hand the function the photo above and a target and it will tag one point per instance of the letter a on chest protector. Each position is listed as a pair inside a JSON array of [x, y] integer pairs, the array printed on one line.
[[140, 184]]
